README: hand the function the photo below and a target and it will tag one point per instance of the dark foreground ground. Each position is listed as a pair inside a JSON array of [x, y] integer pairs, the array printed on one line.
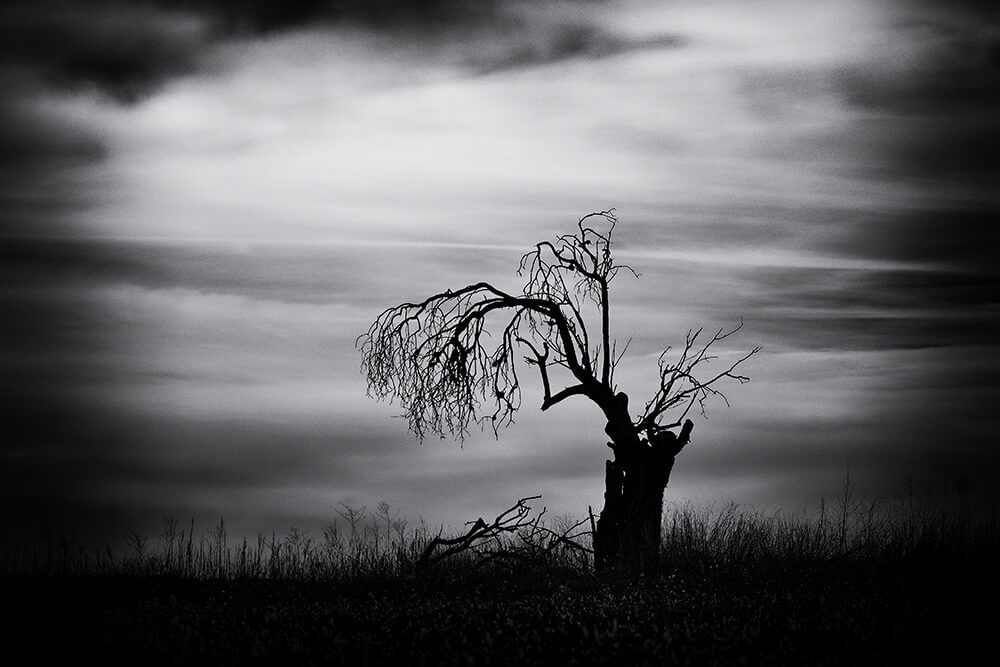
[[845, 613]]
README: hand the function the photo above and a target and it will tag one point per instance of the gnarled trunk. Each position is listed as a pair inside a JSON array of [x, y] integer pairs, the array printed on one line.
[[627, 540]]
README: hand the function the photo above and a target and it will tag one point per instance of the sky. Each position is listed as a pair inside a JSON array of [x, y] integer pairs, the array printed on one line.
[[203, 205]]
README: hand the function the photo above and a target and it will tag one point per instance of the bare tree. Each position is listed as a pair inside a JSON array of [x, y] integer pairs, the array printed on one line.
[[437, 357]]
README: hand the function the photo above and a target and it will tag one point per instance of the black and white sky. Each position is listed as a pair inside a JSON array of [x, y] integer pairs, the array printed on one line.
[[203, 204]]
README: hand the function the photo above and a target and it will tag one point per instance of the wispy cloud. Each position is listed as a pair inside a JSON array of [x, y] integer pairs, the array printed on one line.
[[199, 222]]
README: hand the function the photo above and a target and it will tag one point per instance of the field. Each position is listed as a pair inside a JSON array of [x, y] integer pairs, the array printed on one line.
[[863, 583]]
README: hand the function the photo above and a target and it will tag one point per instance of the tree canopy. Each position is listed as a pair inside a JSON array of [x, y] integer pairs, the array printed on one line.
[[452, 359]]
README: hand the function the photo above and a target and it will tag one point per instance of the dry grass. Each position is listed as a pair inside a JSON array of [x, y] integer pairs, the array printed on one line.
[[380, 544], [886, 581]]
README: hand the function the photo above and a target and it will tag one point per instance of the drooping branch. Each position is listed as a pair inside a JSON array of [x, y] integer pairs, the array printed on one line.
[[435, 356], [438, 359]]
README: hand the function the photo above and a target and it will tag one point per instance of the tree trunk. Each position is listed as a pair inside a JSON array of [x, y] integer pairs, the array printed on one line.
[[627, 541]]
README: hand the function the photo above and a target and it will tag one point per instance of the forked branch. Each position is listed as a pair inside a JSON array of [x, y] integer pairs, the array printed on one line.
[[509, 521], [679, 385]]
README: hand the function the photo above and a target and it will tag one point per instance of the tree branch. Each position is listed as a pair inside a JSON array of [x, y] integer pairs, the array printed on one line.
[[509, 521], [441, 359], [679, 384], [575, 390]]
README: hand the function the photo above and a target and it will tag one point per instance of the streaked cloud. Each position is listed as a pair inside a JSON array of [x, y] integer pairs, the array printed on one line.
[[199, 222]]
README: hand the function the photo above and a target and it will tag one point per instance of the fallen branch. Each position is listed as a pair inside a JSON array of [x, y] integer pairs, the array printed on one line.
[[512, 536], [508, 521]]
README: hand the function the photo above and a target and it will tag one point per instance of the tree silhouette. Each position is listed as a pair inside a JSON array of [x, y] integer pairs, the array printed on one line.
[[439, 360]]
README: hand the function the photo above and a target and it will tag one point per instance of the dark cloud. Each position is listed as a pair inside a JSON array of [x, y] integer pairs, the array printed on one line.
[[74, 455], [290, 273], [926, 122], [958, 238], [125, 50], [36, 143], [875, 309], [199, 455], [42, 161], [955, 71], [55, 425], [946, 102], [522, 46], [277, 14]]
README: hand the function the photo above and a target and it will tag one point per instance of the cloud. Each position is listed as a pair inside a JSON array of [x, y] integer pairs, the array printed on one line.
[[267, 15], [53, 424], [129, 51], [123, 50], [197, 225], [44, 163], [539, 40]]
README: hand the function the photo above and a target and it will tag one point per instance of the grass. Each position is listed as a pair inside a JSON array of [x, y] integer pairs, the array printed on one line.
[[857, 582]]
